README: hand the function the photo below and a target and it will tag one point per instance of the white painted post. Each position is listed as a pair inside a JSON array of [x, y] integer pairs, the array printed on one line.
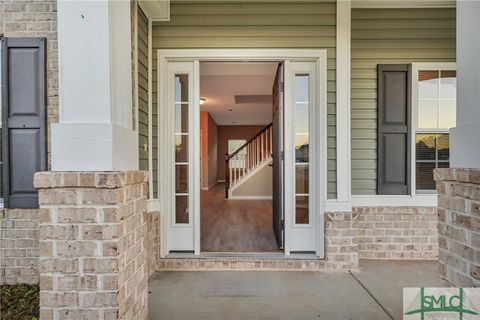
[[343, 101], [465, 137], [95, 130]]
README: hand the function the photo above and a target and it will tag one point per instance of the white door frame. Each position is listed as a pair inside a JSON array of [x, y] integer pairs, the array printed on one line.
[[319, 56]]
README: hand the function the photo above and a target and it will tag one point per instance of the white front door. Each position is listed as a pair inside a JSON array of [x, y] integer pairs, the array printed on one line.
[[179, 145]]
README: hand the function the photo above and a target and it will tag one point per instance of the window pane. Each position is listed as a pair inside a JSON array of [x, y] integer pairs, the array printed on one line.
[[301, 148], [181, 118], [444, 164], [301, 179], [181, 178], [425, 146], [181, 209], [301, 118], [443, 147], [181, 88], [181, 148], [428, 84], [447, 114], [448, 85], [301, 88], [301, 210], [424, 176], [428, 114]]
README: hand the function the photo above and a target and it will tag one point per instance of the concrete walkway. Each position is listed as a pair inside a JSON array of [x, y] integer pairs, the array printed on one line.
[[289, 295]]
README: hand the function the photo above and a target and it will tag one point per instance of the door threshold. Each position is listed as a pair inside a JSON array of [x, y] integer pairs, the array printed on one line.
[[240, 255]]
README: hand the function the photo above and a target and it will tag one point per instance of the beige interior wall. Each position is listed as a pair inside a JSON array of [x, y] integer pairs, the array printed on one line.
[[231, 132], [212, 151], [259, 185], [208, 150], [204, 149]]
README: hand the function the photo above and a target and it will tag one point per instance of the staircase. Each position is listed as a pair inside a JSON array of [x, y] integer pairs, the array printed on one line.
[[247, 160]]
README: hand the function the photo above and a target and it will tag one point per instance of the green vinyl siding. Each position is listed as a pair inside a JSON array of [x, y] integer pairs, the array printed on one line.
[[388, 36], [255, 25], [142, 47]]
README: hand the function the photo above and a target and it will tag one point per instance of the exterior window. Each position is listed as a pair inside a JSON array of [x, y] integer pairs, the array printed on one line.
[[181, 149], [435, 114], [238, 161], [301, 130]]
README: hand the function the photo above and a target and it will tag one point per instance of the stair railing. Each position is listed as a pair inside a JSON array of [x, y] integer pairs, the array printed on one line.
[[247, 157]]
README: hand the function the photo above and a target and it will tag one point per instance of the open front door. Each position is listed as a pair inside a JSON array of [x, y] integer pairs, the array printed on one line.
[[278, 157]]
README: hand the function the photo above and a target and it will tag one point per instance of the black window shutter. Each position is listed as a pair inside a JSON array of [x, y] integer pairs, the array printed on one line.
[[23, 118], [394, 114]]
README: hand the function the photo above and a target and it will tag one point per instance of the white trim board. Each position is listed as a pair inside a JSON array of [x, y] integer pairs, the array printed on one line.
[[343, 79]]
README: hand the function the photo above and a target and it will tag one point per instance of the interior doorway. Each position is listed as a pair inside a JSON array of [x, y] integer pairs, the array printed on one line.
[[237, 208]]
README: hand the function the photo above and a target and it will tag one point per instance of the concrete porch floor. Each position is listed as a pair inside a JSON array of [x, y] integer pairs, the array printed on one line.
[[290, 295]]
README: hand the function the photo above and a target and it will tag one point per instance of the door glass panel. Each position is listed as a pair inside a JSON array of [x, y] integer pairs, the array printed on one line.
[[301, 117], [181, 134], [301, 210], [181, 148], [181, 88], [181, 117], [301, 179], [181, 178], [181, 209], [301, 148], [301, 129]]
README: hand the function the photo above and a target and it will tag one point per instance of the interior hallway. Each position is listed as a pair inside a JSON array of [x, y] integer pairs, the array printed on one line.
[[235, 225]]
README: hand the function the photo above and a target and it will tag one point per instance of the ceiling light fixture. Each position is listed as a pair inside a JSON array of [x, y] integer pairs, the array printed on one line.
[[202, 101]]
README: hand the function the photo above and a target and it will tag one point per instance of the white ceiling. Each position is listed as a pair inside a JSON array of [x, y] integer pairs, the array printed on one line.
[[220, 82]]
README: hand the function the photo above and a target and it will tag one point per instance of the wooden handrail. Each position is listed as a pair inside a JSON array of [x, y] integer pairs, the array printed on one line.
[[257, 149], [230, 156]]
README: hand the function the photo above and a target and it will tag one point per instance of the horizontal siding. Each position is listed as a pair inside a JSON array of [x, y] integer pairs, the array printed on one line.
[[142, 46], [382, 36], [257, 25]]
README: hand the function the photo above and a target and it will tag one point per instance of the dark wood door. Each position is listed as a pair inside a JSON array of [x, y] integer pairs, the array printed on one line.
[[278, 156]]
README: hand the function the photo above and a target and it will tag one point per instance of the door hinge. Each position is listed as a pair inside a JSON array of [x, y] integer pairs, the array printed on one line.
[[282, 155], [282, 87], [282, 224]]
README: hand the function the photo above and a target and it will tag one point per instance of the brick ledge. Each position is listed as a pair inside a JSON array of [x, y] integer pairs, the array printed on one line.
[[84, 179]]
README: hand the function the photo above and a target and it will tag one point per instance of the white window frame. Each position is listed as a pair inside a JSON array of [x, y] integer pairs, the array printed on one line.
[[416, 67]]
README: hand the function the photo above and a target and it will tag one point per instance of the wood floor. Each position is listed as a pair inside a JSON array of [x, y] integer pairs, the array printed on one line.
[[235, 225]]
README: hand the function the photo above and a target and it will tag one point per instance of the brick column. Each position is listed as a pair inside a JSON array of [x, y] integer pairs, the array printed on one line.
[[93, 237], [459, 225]]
